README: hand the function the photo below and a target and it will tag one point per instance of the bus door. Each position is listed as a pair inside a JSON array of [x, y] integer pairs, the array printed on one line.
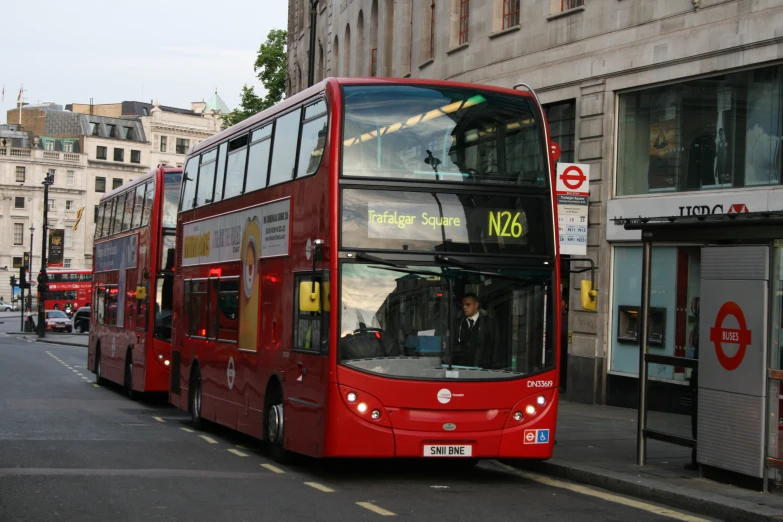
[[307, 371]]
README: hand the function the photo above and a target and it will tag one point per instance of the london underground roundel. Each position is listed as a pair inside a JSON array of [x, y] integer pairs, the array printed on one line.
[[719, 335]]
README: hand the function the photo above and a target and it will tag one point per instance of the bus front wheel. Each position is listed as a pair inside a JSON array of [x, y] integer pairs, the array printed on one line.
[[99, 380], [196, 420], [275, 428]]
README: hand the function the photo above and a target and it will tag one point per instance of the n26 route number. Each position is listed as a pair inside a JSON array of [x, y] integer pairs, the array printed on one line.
[[505, 224]]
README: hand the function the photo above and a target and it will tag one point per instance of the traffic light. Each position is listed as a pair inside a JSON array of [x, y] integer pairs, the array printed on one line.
[[13, 281], [42, 288], [23, 278]]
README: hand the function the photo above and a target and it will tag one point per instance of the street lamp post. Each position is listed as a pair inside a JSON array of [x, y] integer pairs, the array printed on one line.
[[30, 268], [42, 279]]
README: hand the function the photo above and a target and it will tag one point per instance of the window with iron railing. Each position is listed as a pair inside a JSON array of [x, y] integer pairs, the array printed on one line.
[[571, 4], [374, 63], [510, 13], [464, 19]]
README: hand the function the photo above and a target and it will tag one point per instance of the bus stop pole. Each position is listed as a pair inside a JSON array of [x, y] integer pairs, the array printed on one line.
[[641, 441]]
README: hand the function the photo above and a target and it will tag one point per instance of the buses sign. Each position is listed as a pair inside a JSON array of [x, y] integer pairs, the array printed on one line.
[[572, 189]]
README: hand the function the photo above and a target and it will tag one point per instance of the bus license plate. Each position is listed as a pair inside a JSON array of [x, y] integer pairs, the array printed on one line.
[[448, 450]]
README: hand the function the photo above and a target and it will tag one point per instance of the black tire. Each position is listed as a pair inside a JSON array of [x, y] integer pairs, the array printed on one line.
[[274, 425], [99, 380], [7, 309], [129, 391], [79, 328], [195, 400]]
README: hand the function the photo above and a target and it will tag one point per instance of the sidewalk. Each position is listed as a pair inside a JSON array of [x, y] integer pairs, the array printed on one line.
[[596, 445], [56, 338]]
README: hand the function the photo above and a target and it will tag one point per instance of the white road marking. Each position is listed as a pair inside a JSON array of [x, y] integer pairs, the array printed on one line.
[[238, 453], [96, 385], [159, 419], [319, 487], [208, 439], [617, 499], [187, 429], [375, 509], [272, 468]]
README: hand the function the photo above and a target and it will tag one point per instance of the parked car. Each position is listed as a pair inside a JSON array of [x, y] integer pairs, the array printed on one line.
[[8, 307], [58, 321], [81, 319]]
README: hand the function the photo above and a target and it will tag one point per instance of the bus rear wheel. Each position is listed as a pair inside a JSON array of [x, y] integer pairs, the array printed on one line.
[[129, 391], [196, 420], [99, 380]]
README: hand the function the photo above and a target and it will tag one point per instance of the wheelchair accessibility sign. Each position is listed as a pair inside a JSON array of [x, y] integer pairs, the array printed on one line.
[[536, 436]]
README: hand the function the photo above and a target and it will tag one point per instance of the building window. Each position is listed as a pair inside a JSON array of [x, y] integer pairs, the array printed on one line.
[[116, 183], [570, 4], [95, 128], [562, 124], [711, 133], [673, 312], [68, 146], [100, 153], [464, 21], [100, 184], [68, 236], [17, 262], [18, 233], [69, 178], [182, 146], [163, 143], [111, 130], [374, 62], [66, 261], [20, 174], [19, 202], [95, 213], [119, 154], [128, 133], [135, 156], [510, 13], [52, 205], [68, 204], [48, 145]]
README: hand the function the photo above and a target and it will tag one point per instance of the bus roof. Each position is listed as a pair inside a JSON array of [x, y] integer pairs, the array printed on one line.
[[322, 86], [143, 179]]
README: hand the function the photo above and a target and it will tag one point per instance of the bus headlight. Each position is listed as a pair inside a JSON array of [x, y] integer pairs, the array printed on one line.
[[518, 416], [351, 397], [540, 400], [362, 407], [375, 414], [530, 409]]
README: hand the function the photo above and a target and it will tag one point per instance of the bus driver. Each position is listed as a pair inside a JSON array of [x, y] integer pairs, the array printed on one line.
[[474, 346]]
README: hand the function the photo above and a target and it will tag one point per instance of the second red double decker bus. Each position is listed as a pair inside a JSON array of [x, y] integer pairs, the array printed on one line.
[[66, 287], [370, 269], [130, 331]]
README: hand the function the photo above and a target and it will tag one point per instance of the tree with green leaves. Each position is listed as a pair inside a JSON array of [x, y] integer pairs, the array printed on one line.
[[270, 68]]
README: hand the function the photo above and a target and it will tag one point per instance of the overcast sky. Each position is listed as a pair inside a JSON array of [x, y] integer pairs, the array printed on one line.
[[173, 51]]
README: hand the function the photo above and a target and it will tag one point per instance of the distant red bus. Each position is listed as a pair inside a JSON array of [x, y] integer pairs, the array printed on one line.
[[370, 269], [66, 287], [130, 330]]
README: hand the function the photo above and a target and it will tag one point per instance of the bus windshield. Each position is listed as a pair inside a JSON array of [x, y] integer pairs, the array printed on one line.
[[434, 323], [442, 134], [172, 184]]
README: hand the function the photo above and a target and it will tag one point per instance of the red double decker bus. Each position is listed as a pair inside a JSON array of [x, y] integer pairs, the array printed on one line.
[[130, 331], [370, 269], [68, 287]]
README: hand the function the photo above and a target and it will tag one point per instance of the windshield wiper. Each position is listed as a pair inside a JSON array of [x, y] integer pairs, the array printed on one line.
[[368, 257], [450, 261]]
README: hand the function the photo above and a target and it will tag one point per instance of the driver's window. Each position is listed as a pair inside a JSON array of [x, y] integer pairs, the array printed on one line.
[[310, 328]]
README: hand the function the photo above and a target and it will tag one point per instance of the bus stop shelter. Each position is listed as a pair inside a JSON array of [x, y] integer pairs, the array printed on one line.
[[739, 361]]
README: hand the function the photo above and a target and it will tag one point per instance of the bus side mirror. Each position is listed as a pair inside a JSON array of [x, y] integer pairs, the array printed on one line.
[[589, 296], [309, 296], [326, 297], [554, 150]]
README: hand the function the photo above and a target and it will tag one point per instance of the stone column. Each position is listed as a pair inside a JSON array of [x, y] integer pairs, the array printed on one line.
[[586, 344]]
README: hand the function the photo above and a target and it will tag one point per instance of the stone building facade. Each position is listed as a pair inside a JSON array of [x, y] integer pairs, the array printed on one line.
[[674, 104]]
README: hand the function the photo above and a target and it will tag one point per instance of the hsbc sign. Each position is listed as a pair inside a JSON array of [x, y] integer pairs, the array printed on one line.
[[689, 204]]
